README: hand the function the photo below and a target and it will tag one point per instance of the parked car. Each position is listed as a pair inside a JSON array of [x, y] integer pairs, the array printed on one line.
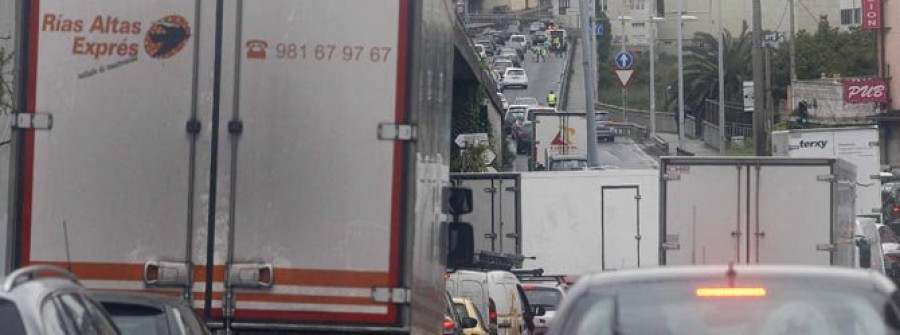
[[549, 297], [31, 303], [465, 308], [723, 299], [529, 101], [605, 131], [515, 76], [499, 293], [151, 314]]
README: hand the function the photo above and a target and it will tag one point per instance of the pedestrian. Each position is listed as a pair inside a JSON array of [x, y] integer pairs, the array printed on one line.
[[551, 99], [556, 47], [545, 53]]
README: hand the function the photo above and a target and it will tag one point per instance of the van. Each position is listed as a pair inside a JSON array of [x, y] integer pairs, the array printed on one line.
[[497, 292]]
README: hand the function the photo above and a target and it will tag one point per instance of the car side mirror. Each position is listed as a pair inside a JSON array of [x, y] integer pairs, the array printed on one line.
[[540, 311], [460, 244], [468, 322], [457, 200]]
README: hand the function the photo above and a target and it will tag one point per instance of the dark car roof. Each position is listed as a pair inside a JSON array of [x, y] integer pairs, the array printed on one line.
[[845, 277], [134, 298]]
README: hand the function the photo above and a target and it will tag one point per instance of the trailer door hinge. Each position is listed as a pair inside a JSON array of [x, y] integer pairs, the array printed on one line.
[[512, 235], [671, 177], [396, 132], [826, 247], [826, 177], [392, 295], [490, 236], [43, 121], [512, 189], [873, 144], [490, 190]]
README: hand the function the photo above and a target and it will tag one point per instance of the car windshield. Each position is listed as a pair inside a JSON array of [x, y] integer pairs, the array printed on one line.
[[515, 72], [518, 39], [568, 164], [138, 319], [788, 307], [514, 116], [546, 297]]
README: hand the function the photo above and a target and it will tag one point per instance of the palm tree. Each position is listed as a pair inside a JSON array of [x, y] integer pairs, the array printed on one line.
[[701, 70]]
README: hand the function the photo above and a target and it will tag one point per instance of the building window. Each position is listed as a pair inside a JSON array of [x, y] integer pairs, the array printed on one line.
[[563, 7], [639, 25], [857, 15], [638, 5], [846, 16]]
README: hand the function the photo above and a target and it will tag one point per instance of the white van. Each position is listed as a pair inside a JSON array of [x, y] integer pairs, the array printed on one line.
[[499, 293]]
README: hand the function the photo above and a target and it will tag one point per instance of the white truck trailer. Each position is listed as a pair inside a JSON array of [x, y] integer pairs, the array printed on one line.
[[857, 145], [572, 222], [278, 163], [752, 210]]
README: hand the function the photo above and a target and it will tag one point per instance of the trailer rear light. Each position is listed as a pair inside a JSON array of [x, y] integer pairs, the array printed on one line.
[[528, 287], [492, 312], [895, 209], [167, 274], [251, 275], [728, 292]]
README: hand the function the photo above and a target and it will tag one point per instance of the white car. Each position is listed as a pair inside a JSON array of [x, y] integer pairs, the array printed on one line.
[[528, 101], [518, 41], [480, 49], [514, 76]]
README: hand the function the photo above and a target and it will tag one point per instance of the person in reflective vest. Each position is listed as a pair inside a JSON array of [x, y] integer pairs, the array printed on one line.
[[551, 99]]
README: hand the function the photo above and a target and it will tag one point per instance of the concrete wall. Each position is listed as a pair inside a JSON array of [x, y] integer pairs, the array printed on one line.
[[828, 95]]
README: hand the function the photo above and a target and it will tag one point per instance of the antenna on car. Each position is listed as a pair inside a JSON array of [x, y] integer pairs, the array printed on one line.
[[66, 239]]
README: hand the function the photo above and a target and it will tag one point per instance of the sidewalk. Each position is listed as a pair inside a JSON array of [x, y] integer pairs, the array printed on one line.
[[696, 147]]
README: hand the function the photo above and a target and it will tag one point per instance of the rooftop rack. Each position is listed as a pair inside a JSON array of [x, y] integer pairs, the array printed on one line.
[[486, 260]]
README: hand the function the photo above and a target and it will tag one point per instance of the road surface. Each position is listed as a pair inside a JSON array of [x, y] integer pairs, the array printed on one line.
[[542, 77]]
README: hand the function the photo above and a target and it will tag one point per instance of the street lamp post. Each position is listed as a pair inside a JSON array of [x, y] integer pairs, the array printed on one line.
[[681, 19], [653, 21]]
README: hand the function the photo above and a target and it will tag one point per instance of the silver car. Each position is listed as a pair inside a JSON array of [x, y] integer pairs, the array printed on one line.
[[547, 296], [151, 314], [731, 300], [57, 304], [605, 131]]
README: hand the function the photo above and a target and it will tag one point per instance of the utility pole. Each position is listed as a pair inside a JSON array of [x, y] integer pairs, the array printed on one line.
[[759, 90], [792, 50], [719, 38], [653, 71], [590, 115]]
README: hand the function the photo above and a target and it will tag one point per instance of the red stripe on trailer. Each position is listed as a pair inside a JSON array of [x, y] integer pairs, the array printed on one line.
[[30, 107], [247, 316], [399, 118]]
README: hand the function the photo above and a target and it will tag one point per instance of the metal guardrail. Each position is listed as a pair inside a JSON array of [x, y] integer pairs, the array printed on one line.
[[566, 76], [636, 132]]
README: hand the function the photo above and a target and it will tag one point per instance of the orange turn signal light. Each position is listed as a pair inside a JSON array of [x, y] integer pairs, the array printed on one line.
[[725, 292]]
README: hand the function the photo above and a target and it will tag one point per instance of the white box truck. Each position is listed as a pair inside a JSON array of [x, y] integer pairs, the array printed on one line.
[[571, 222], [857, 145], [556, 134], [757, 210], [279, 163]]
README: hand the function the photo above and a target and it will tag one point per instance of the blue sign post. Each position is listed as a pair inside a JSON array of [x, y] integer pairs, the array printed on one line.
[[598, 30], [624, 60]]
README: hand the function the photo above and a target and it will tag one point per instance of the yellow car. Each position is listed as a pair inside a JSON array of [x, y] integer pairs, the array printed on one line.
[[465, 308]]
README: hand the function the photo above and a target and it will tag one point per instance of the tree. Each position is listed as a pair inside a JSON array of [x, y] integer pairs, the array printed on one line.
[[701, 69], [6, 87]]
